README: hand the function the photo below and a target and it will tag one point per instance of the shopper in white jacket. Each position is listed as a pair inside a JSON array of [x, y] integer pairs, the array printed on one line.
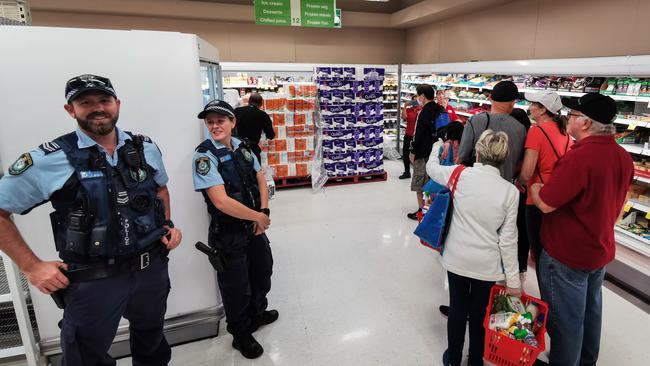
[[481, 246]]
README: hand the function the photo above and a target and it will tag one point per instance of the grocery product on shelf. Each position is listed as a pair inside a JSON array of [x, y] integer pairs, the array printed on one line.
[[292, 150], [353, 121]]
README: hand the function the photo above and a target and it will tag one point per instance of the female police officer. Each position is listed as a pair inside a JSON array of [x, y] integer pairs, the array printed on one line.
[[235, 191]]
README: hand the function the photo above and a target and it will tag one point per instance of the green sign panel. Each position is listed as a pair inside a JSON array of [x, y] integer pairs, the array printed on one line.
[[297, 13], [317, 13], [273, 12]]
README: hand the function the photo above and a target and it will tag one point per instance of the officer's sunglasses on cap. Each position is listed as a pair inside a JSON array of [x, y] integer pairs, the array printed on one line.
[[85, 81]]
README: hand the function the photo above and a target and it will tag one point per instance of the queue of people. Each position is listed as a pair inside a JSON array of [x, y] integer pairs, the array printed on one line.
[[572, 201]]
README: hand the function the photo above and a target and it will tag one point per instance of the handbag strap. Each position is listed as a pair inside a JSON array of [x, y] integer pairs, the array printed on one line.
[[557, 155], [453, 180]]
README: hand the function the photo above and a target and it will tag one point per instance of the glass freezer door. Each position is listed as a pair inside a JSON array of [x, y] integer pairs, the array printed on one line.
[[211, 82]]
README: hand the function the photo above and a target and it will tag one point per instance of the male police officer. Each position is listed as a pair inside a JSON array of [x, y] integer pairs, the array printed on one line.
[[111, 228], [235, 190]]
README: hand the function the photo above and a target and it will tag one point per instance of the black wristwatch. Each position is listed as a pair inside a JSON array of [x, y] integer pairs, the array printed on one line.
[[266, 211], [169, 223]]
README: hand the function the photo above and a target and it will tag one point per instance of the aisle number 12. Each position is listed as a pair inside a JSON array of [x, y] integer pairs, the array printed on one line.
[[295, 21]]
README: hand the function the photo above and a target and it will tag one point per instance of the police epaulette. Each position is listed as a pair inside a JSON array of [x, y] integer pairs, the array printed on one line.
[[49, 147], [144, 138]]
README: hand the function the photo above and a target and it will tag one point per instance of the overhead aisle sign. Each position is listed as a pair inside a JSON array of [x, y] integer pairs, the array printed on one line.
[[297, 13]]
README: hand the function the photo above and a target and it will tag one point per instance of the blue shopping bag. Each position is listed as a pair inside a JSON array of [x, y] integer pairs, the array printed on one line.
[[433, 228]]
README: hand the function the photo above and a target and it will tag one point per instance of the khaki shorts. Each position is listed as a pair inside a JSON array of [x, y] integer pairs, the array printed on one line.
[[420, 177]]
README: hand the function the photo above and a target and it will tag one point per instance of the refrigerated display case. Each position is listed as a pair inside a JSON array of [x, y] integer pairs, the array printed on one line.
[[211, 81]]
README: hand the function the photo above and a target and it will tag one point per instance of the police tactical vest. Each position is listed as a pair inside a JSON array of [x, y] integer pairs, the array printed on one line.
[[104, 210], [240, 182]]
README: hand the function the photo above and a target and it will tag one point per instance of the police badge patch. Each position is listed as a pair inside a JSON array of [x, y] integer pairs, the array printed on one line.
[[248, 155], [138, 175], [21, 165], [202, 165]]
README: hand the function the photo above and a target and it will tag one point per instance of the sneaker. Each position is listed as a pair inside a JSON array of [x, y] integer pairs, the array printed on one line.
[[266, 318], [444, 311], [247, 346], [413, 215], [405, 176]]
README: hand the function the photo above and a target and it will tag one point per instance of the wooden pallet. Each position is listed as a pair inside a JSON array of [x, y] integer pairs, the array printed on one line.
[[286, 182]]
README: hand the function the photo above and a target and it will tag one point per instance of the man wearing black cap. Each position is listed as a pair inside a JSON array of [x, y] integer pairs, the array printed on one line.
[[503, 97], [582, 202], [230, 178], [252, 121], [111, 228]]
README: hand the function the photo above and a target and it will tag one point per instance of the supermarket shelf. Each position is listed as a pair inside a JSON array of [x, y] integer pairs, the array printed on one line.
[[639, 205], [390, 119], [408, 91], [403, 125], [390, 93], [631, 98], [632, 241], [636, 149], [248, 86], [642, 179], [296, 82], [389, 102], [627, 121], [390, 110]]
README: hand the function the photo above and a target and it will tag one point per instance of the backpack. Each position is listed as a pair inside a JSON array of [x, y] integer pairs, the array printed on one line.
[[441, 122]]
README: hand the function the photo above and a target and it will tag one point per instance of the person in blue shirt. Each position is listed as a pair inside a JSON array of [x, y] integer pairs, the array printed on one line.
[[228, 174], [111, 225]]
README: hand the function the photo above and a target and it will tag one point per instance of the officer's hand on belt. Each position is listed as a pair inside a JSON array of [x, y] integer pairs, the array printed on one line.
[[262, 223], [173, 238], [47, 276]]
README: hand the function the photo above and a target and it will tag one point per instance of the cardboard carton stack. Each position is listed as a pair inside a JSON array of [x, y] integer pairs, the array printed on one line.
[[292, 113], [351, 111]]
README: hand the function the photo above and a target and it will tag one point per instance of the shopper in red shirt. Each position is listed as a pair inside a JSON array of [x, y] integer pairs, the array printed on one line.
[[443, 100], [410, 114], [581, 201], [547, 141]]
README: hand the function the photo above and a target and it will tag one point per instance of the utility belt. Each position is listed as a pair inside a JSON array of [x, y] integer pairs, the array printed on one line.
[[118, 265], [112, 267]]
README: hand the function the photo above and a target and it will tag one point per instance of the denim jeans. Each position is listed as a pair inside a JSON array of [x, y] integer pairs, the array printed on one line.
[[575, 311]]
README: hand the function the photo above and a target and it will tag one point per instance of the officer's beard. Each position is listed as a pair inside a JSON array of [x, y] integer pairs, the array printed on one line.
[[95, 128]]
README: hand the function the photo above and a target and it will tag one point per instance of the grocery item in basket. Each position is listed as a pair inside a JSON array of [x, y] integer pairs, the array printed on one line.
[[503, 320], [515, 304]]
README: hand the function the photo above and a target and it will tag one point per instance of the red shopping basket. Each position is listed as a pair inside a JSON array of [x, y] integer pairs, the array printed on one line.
[[505, 351]]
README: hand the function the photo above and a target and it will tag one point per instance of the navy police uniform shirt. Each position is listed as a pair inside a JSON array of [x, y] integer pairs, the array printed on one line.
[[205, 166], [36, 175]]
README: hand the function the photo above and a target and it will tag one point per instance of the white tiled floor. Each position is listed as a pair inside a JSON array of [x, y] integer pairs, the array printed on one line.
[[354, 288]]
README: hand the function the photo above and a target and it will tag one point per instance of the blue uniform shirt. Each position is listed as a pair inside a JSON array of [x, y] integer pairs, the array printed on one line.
[[212, 176], [50, 169]]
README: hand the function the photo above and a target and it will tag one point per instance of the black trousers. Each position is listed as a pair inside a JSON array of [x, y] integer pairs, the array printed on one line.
[[94, 309], [523, 241], [534, 229], [406, 148], [467, 297], [245, 283]]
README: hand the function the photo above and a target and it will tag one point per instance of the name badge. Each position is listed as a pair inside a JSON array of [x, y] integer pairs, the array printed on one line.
[[88, 174], [225, 158]]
